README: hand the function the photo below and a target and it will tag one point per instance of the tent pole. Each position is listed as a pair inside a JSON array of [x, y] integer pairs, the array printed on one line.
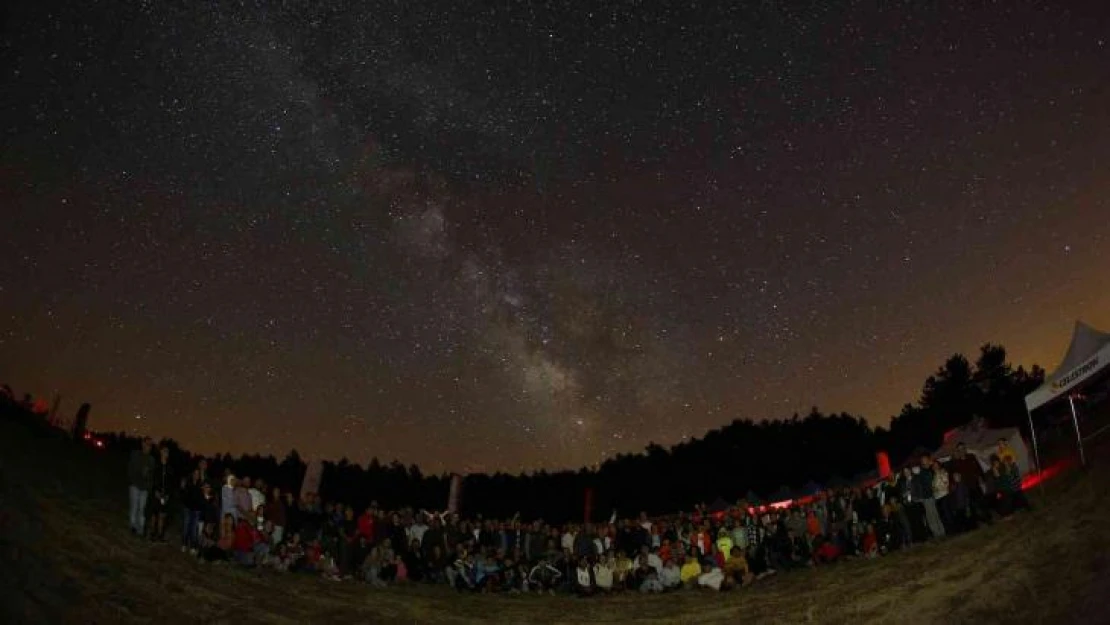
[[1036, 448], [1078, 436]]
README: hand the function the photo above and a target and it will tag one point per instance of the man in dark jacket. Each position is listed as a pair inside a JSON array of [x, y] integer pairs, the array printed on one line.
[[923, 491], [971, 474], [140, 477]]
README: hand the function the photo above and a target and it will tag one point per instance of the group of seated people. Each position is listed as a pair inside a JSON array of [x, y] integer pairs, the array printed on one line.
[[248, 523]]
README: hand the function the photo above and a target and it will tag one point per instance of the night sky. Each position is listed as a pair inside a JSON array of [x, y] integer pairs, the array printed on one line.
[[481, 236]]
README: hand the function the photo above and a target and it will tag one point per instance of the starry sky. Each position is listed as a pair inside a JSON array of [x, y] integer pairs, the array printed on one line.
[[511, 235]]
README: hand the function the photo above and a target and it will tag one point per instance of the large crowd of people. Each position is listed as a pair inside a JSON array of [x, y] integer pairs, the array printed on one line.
[[246, 522]]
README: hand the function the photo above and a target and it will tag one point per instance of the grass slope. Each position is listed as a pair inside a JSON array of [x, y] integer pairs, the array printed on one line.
[[66, 556]]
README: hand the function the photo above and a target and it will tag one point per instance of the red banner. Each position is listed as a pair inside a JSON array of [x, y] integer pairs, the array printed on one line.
[[883, 460]]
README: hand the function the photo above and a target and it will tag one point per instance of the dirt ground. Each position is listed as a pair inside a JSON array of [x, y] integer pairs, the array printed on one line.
[[66, 556]]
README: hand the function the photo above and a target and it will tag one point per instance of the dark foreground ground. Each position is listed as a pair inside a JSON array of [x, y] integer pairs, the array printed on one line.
[[66, 556]]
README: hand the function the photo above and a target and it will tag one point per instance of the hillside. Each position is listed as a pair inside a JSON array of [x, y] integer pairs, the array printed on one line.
[[67, 557]]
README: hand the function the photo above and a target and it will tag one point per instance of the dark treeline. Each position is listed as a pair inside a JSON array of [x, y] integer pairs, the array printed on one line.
[[741, 459]]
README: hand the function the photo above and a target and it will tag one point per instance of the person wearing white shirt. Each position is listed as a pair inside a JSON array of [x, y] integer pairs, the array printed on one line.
[[713, 578], [416, 530], [584, 575], [603, 574], [257, 498], [670, 575], [567, 541]]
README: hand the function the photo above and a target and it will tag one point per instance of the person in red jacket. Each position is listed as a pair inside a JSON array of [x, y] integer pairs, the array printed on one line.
[[702, 540], [251, 546], [366, 525], [244, 542], [827, 551], [869, 543]]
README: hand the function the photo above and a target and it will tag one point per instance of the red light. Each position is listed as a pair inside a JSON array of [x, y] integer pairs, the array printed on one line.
[[100, 444], [1049, 472]]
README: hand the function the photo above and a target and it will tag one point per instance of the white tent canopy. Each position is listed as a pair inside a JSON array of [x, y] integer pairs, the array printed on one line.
[[1088, 354]]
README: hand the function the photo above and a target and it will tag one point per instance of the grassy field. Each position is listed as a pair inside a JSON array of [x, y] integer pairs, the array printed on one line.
[[66, 556]]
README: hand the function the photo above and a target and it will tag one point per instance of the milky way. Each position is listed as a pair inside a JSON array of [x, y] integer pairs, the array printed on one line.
[[523, 236]]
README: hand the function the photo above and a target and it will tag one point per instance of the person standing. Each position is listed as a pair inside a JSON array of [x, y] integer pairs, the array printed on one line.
[[923, 491], [140, 476], [275, 512], [192, 496], [227, 500], [163, 483], [971, 474]]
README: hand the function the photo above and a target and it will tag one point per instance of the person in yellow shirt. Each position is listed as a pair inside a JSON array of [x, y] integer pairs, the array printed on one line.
[[724, 544], [737, 572], [1005, 453], [691, 569]]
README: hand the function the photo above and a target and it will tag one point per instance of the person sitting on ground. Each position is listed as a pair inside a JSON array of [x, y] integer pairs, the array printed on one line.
[[825, 551], [227, 534], [584, 573], [654, 560], [544, 577], [712, 576], [246, 538], [328, 567], [516, 576], [603, 573], [869, 542], [736, 569], [415, 562], [435, 565], [622, 570], [401, 571], [290, 554], [217, 545], [640, 573], [670, 576], [275, 511], [371, 567], [313, 552], [691, 568], [651, 582]]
